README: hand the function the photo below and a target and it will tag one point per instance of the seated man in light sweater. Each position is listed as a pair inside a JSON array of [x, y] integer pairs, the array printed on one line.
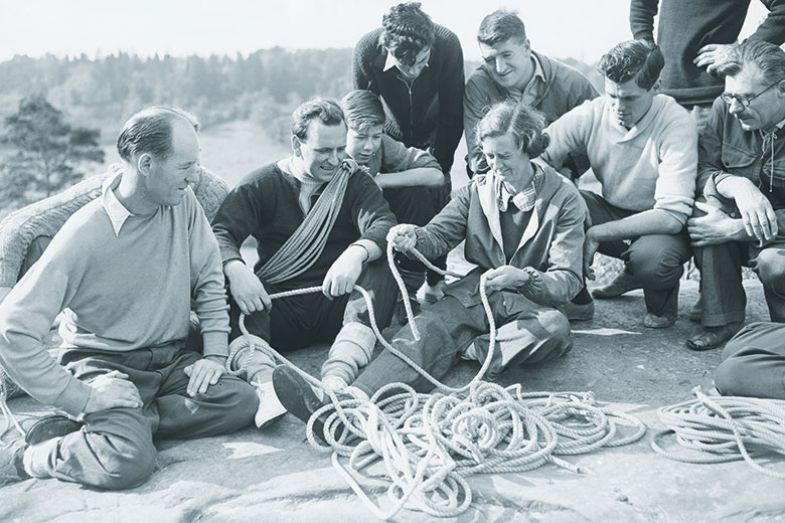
[[642, 147], [126, 268], [282, 205], [401, 172], [513, 71]]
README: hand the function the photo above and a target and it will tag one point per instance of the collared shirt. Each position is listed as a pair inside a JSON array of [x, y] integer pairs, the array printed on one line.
[[531, 93], [523, 200], [389, 62], [116, 211]]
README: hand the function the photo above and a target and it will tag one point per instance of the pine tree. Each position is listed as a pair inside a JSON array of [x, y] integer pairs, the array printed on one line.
[[46, 153]]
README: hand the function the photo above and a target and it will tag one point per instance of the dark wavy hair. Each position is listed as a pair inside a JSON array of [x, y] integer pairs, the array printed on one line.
[[150, 131], [634, 59], [407, 31], [326, 110], [519, 119]]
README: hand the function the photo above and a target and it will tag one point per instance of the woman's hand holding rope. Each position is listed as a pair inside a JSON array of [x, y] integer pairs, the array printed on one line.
[[403, 237]]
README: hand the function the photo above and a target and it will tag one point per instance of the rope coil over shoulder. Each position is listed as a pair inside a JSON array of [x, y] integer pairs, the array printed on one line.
[[307, 243]]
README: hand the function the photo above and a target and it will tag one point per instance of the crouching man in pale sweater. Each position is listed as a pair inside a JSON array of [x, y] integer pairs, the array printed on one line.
[[126, 268], [642, 146]]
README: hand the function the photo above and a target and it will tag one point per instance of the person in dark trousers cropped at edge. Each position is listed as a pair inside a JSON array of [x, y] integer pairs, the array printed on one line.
[[511, 70], [276, 204], [127, 376], [416, 67]]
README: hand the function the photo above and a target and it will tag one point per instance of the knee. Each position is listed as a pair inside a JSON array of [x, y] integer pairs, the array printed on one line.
[[732, 377], [557, 325], [657, 265], [129, 465], [770, 267], [240, 401]]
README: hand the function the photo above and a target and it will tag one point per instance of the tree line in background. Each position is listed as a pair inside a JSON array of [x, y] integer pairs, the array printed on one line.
[[41, 152]]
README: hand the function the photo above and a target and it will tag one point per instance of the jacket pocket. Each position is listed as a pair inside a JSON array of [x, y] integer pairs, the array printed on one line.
[[739, 161]]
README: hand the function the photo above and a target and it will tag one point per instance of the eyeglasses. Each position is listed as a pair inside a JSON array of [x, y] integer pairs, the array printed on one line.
[[744, 100]]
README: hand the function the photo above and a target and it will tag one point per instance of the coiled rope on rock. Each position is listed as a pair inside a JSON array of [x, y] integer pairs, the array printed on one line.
[[718, 429], [419, 448]]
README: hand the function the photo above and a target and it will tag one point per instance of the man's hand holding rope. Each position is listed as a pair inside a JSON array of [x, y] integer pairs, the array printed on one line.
[[344, 271], [246, 289]]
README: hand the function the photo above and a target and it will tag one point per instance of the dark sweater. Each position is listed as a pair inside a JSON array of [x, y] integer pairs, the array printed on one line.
[[687, 25], [429, 115], [264, 205]]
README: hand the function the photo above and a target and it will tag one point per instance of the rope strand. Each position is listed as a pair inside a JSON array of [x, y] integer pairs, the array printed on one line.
[[724, 428], [421, 447]]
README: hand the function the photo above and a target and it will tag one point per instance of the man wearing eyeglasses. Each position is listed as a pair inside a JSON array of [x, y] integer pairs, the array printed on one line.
[[742, 166], [416, 67]]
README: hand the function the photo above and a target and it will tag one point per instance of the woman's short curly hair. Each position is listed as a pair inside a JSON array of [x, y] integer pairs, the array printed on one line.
[[407, 31], [519, 119]]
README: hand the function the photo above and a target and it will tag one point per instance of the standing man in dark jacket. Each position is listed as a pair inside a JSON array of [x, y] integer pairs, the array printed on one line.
[[416, 67], [696, 38]]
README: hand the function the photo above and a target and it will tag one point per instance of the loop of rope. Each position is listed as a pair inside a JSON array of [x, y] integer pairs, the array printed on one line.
[[420, 447], [724, 428]]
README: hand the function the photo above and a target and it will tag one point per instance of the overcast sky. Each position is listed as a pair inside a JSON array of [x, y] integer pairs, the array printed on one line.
[[582, 29]]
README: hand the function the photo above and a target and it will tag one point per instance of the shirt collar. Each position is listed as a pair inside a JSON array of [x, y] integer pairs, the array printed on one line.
[[538, 71], [523, 200], [116, 211], [389, 62]]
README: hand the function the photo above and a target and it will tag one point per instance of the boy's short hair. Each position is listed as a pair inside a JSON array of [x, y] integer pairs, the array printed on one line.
[[362, 109]]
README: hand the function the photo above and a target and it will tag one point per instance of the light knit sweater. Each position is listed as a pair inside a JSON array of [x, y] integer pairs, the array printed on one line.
[[44, 218], [124, 291], [651, 166]]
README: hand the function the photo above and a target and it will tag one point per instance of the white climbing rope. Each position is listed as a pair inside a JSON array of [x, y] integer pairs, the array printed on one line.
[[10, 420], [717, 429], [419, 448]]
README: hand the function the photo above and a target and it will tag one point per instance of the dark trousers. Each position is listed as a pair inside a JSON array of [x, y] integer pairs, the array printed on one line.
[[754, 363], [528, 332], [656, 261], [299, 321], [724, 299], [114, 449]]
